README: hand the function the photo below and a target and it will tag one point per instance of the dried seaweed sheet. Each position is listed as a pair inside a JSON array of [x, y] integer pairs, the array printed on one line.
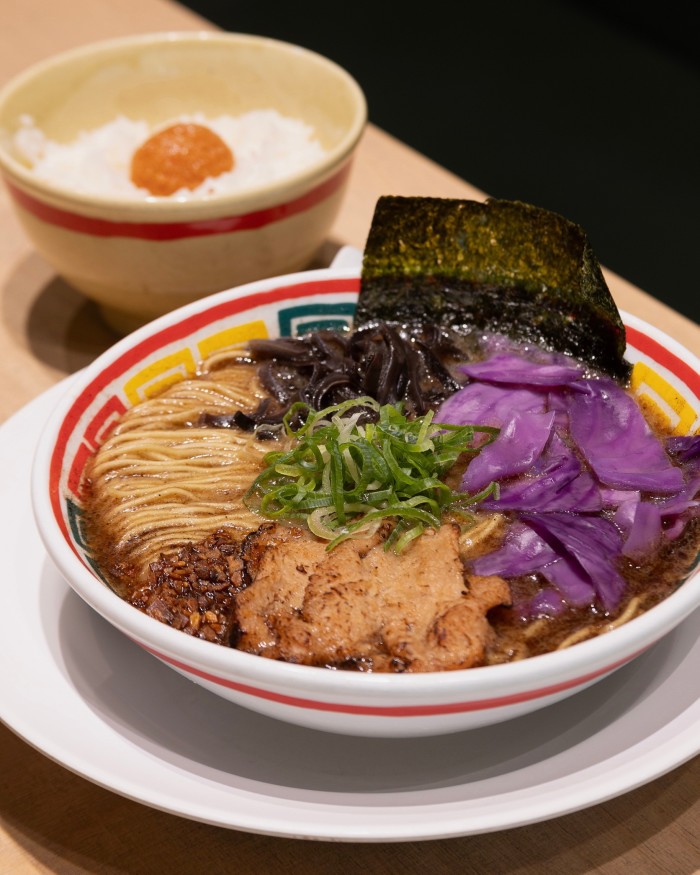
[[502, 266]]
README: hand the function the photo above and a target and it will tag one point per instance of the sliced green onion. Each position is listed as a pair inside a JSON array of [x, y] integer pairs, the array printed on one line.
[[345, 478]]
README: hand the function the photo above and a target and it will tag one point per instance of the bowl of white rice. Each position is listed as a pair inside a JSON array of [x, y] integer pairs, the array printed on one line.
[[154, 170]]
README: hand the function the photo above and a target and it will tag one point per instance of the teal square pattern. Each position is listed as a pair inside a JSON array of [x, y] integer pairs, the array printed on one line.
[[305, 318]]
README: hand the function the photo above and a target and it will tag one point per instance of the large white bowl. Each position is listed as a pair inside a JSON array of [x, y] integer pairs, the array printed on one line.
[[343, 702]]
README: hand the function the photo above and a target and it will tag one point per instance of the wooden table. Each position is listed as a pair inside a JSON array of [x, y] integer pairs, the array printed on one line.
[[54, 821]]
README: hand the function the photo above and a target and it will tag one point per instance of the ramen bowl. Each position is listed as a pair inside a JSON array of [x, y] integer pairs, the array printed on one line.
[[364, 704], [140, 257]]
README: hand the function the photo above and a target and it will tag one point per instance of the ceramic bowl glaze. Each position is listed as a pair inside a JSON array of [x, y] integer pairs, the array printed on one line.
[[140, 259], [394, 705]]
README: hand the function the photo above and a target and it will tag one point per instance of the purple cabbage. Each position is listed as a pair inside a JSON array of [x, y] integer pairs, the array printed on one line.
[[608, 427], [677, 509], [516, 449], [642, 524], [571, 581], [684, 448], [548, 602], [592, 542], [523, 551], [484, 404], [556, 482], [571, 446], [684, 501], [508, 368]]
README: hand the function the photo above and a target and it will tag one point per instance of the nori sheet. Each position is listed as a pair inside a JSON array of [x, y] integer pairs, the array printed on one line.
[[498, 265]]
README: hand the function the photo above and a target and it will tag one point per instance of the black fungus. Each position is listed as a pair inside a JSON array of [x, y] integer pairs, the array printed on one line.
[[395, 364]]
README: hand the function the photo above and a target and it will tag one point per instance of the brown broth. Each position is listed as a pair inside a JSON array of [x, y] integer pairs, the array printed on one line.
[[650, 583]]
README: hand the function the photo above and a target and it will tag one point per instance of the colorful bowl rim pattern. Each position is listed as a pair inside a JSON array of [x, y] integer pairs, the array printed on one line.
[[662, 378]]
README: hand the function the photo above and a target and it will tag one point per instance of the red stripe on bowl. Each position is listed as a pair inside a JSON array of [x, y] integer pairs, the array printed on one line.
[[161, 231], [396, 710], [75, 475]]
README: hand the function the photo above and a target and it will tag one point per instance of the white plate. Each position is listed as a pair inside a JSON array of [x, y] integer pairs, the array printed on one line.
[[95, 702]]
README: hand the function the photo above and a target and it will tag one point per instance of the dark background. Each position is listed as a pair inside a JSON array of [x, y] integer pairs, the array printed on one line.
[[589, 109]]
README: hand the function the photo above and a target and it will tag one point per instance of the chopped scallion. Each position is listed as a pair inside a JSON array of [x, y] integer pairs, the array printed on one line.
[[355, 464]]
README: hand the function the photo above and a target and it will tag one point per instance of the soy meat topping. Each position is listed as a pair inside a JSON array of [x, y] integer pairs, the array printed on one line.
[[280, 594], [361, 606]]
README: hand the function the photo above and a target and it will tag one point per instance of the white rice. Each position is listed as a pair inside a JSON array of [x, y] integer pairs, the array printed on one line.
[[266, 146]]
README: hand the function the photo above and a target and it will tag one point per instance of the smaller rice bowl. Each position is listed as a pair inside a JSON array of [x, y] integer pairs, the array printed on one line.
[[342, 702], [138, 258]]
